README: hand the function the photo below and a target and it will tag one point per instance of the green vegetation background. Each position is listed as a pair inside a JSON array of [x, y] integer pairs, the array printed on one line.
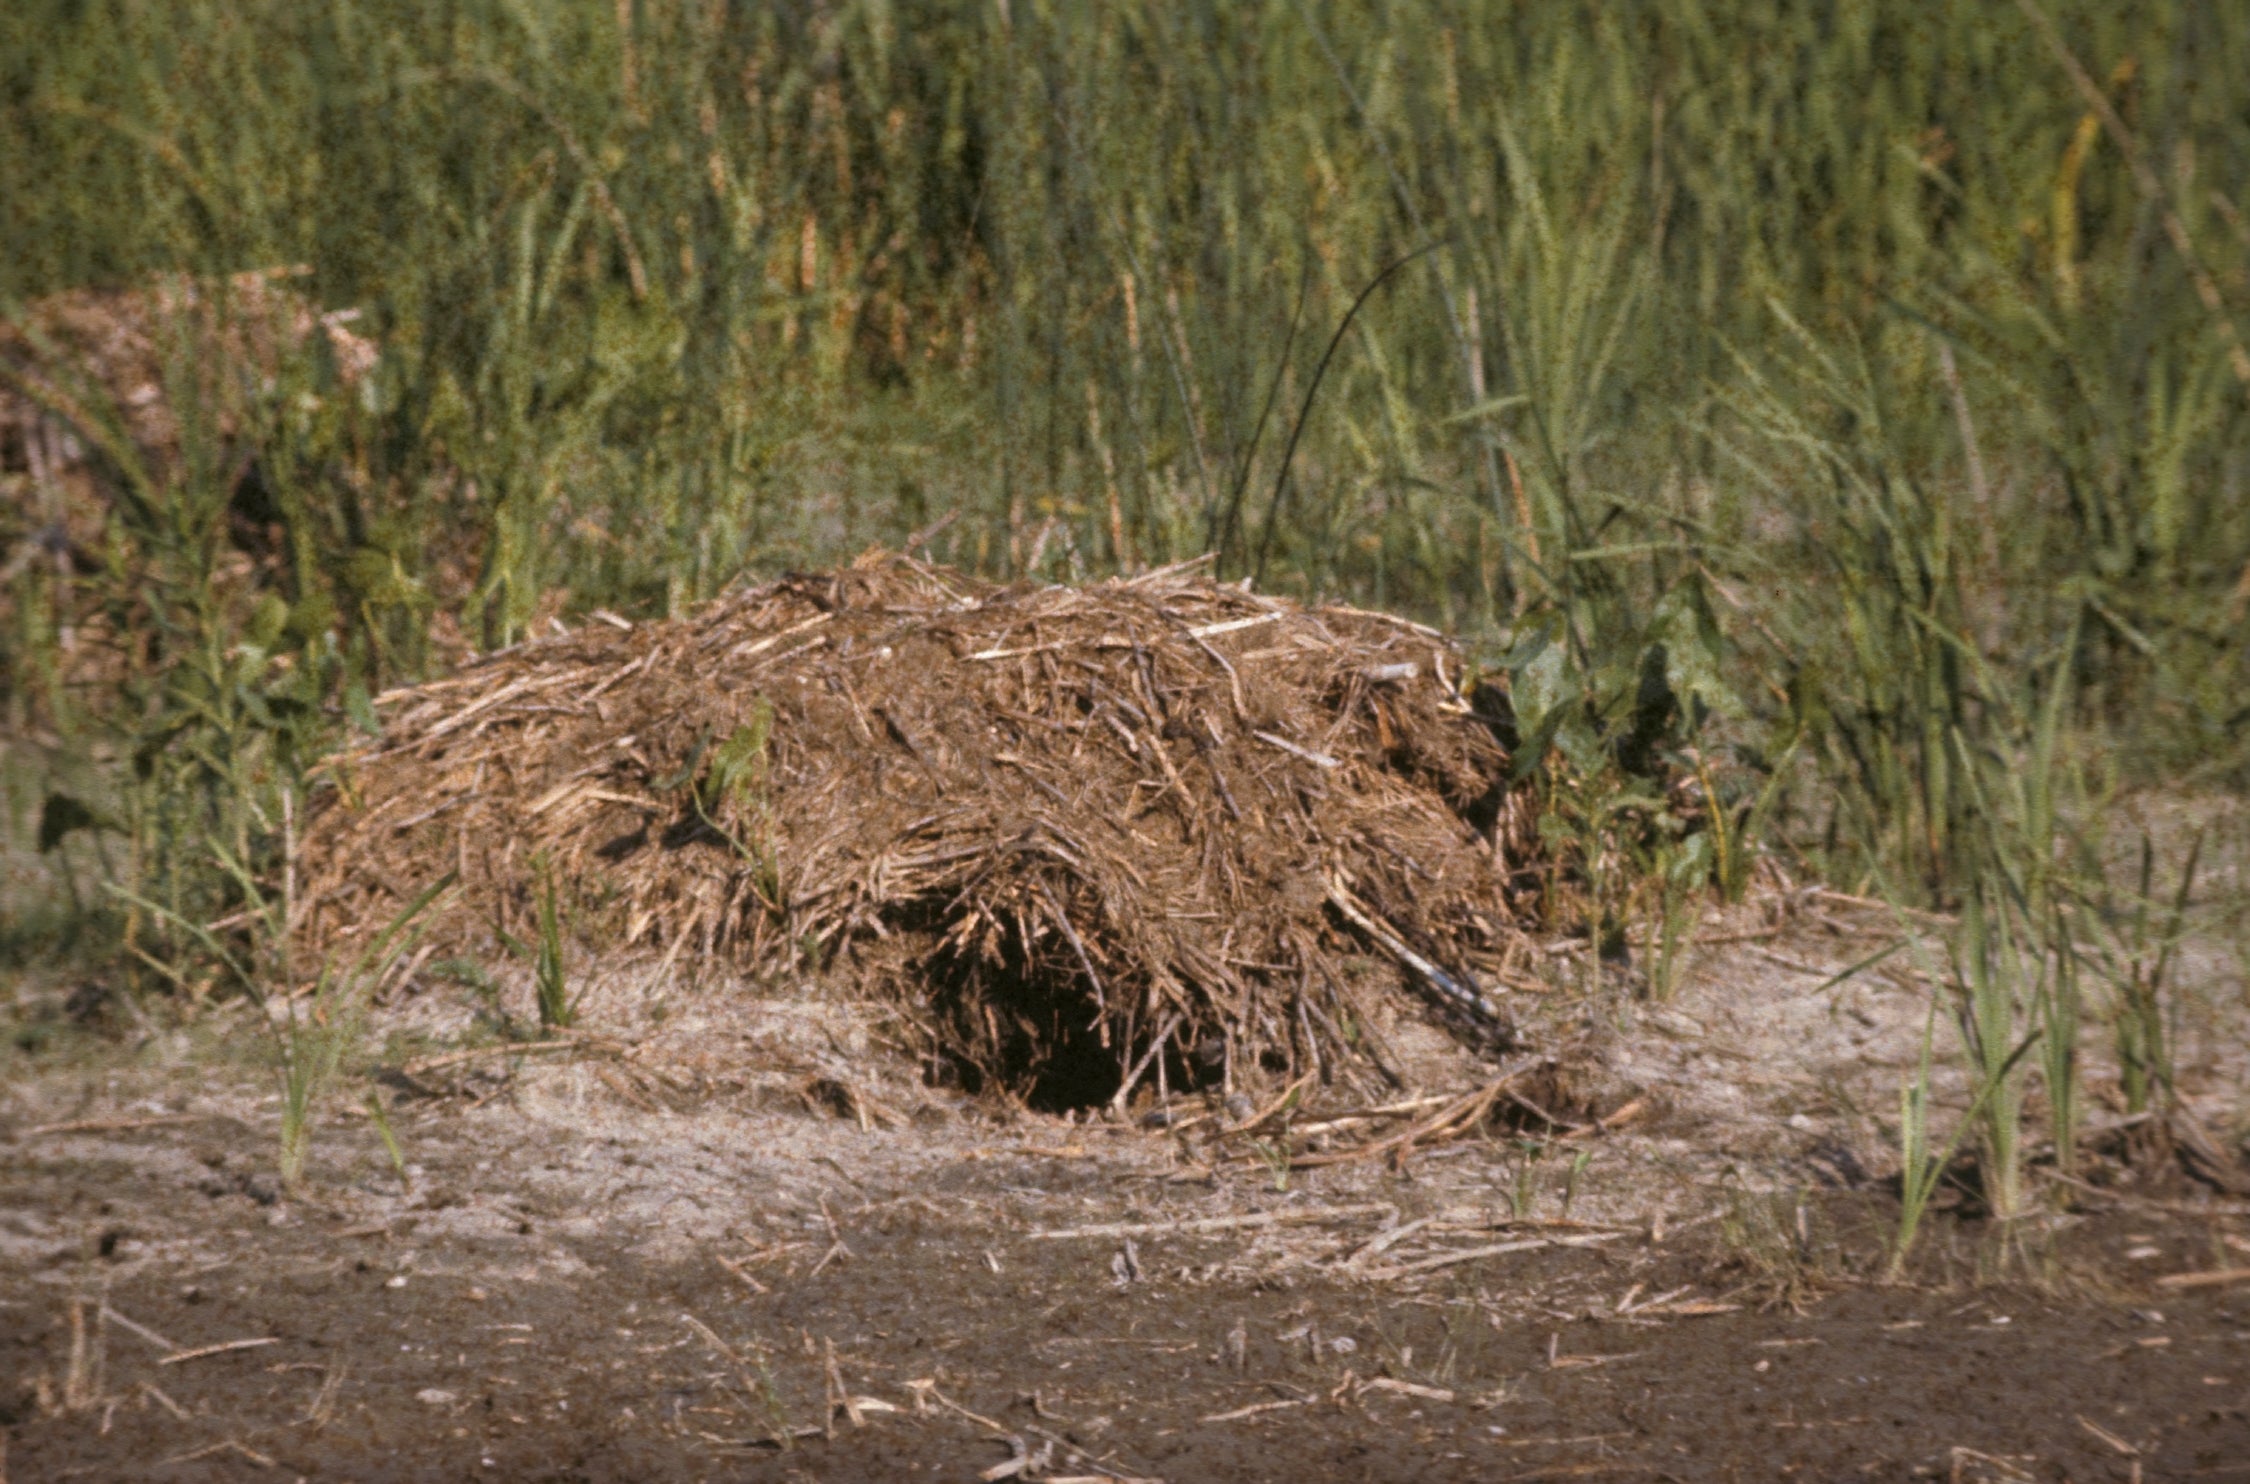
[[1818, 397]]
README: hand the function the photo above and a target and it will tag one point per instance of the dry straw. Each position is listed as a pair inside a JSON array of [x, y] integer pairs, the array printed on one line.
[[1144, 833]]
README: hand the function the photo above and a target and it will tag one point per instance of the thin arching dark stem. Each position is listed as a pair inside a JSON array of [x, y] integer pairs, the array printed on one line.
[[1221, 533], [1281, 478]]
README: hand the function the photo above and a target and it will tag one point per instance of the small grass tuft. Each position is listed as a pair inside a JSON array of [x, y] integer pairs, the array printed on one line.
[[550, 970]]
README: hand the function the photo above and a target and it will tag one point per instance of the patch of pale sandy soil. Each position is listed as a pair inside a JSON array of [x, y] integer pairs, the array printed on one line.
[[735, 1234]]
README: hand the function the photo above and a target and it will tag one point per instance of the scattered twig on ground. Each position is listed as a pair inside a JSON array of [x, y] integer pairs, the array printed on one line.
[[1496, 1249], [228, 1348], [838, 1396], [1557, 1361], [758, 1388], [158, 1395], [1463, 1113], [111, 1316], [2216, 1278], [224, 1445], [1253, 1410], [116, 1125], [743, 1273], [427, 1065], [1190, 1225], [1395, 1387]]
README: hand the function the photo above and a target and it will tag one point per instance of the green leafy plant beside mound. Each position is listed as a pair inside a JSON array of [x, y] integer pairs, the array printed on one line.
[[313, 1033]]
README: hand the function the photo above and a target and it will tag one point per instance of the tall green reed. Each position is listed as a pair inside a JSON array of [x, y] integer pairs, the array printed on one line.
[[712, 267], [1829, 391], [2134, 941]]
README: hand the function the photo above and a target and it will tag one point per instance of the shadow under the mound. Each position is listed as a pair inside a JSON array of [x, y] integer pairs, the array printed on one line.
[[1017, 1027], [1005, 1019], [1025, 1018]]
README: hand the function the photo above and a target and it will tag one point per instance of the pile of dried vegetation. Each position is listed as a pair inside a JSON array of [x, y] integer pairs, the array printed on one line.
[[90, 379], [122, 410], [1152, 832]]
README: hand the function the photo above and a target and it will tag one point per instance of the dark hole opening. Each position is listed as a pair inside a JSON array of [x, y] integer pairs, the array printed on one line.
[[1027, 1025]]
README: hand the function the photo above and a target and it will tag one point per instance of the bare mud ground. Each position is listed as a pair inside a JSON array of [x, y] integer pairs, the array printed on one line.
[[578, 1281]]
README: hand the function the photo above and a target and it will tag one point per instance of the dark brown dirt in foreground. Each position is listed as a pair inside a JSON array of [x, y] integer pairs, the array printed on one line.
[[541, 1341]]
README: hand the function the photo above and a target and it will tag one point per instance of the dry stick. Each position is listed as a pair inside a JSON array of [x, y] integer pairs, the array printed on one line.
[[1233, 625], [117, 1125], [1624, 1115], [157, 1394], [1251, 1411], [1796, 965], [1397, 1387], [928, 1388], [1465, 1109], [1945, 919], [81, 1384], [1263, 1114], [1466, 995], [2150, 185], [751, 1390], [1155, 575], [1119, 641], [723, 632], [815, 642], [2215, 1279], [836, 1380], [1393, 619], [1011, 760], [2115, 1442], [1385, 1241], [1317, 759], [428, 688], [1372, 1115], [111, 1316], [1218, 779], [225, 1349], [620, 674], [1140, 1068], [1626, 1306], [478, 1053], [1546, 1117], [1070, 935], [931, 532], [1234, 681], [475, 708], [224, 1445], [1471, 1254], [741, 1272], [1293, 1217]]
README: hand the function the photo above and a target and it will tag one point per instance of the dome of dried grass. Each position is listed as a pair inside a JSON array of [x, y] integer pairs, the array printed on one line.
[[1151, 830]]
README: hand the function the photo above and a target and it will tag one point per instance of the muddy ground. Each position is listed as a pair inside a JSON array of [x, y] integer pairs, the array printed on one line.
[[583, 1274]]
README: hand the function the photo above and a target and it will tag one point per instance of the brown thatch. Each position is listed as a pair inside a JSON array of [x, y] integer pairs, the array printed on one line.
[[1065, 829]]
